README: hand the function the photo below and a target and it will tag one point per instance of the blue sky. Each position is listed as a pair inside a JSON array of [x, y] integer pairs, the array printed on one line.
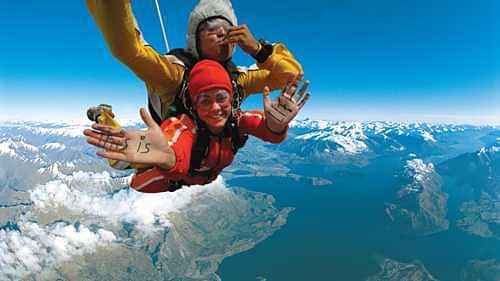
[[367, 60]]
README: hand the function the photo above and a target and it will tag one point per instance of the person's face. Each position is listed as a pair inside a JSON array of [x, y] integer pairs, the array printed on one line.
[[214, 108], [211, 35]]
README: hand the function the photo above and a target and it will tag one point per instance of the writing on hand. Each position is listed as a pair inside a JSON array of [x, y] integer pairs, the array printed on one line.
[[144, 145]]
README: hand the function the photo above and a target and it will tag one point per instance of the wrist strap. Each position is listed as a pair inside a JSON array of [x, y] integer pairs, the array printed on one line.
[[276, 133], [265, 50]]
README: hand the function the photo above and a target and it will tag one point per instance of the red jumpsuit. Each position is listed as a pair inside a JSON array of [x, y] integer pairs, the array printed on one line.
[[181, 133]]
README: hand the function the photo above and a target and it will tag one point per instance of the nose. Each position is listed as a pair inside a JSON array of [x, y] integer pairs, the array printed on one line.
[[221, 31], [215, 106]]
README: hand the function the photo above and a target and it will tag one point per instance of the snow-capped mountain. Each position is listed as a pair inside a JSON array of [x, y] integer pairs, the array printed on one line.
[[358, 137], [420, 206], [44, 145], [17, 148], [357, 142]]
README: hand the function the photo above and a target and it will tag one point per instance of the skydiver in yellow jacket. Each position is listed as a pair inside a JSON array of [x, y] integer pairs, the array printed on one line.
[[212, 33], [163, 74]]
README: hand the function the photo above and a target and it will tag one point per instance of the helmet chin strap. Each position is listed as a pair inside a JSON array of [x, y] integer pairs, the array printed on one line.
[[160, 17]]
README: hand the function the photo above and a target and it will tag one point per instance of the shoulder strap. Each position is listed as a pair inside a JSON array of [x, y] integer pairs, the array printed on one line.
[[179, 105], [238, 140], [200, 148], [186, 57]]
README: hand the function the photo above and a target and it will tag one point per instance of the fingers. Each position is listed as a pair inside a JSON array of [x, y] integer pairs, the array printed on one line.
[[230, 36], [301, 103], [290, 88], [285, 90], [287, 104], [233, 39], [112, 155], [99, 139], [267, 100], [276, 113], [107, 142], [107, 138], [300, 76], [240, 29], [239, 35], [237, 31], [282, 110], [147, 118], [300, 94], [108, 130]]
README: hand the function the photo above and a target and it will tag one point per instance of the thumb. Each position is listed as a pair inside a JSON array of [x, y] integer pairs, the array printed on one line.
[[267, 100], [147, 118]]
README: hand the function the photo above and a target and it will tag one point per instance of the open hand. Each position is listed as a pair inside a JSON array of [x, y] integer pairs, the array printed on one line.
[[146, 147], [281, 111]]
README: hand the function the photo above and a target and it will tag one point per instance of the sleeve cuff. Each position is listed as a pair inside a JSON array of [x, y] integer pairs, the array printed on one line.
[[266, 49]]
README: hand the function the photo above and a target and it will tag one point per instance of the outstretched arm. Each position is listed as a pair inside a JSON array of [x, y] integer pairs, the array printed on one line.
[[123, 37]]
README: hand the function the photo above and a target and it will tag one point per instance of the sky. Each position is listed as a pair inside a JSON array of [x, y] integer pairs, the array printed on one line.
[[434, 61]]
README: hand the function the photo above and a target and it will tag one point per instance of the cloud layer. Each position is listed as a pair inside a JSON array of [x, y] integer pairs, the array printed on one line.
[[80, 193], [34, 247]]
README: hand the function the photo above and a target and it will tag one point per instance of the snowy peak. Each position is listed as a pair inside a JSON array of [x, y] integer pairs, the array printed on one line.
[[420, 175], [358, 137], [17, 148], [57, 146], [488, 154], [47, 128], [417, 169], [494, 148]]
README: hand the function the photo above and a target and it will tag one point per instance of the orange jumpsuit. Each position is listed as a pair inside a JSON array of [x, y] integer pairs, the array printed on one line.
[[181, 133]]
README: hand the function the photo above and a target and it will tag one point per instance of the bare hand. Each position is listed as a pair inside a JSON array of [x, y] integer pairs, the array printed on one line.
[[242, 36], [146, 147], [280, 112]]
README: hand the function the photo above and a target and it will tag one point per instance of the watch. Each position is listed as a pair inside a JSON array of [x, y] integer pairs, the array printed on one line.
[[266, 49]]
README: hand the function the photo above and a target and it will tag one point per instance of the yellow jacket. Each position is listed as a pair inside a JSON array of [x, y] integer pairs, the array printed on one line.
[[163, 74]]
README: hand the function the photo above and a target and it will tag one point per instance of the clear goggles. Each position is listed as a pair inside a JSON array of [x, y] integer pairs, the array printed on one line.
[[214, 24], [205, 100]]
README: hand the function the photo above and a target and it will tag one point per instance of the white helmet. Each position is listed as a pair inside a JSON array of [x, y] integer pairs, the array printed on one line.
[[207, 9]]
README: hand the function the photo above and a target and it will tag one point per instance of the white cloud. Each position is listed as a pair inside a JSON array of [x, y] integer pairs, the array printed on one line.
[[35, 247], [145, 210]]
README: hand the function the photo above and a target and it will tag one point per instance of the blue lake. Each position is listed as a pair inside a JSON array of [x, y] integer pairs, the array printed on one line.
[[337, 231]]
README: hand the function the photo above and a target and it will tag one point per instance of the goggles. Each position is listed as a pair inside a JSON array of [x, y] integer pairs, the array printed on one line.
[[204, 100], [214, 24]]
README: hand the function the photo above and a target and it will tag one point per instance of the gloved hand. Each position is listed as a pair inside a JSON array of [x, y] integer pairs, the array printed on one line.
[[281, 111]]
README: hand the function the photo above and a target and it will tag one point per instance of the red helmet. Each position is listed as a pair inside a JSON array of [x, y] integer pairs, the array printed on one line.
[[207, 75]]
